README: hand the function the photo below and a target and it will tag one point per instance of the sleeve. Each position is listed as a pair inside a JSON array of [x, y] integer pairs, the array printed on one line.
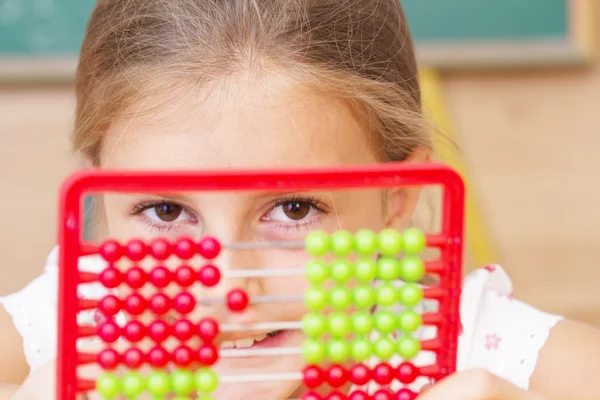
[[499, 333]]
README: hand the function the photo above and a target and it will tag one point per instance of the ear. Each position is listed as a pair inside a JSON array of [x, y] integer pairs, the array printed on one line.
[[401, 202]]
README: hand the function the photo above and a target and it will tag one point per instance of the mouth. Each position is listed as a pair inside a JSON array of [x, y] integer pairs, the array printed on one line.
[[268, 339]]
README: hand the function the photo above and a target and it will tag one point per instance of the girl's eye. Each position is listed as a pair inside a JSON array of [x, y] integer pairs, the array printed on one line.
[[292, 211], [166, 212]]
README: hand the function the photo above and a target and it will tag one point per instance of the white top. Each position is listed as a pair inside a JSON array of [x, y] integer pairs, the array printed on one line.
[[499, 333]]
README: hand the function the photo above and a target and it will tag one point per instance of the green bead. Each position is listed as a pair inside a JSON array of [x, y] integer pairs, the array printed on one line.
[[181, 398], [342, 271], [387, 294], [414, 241], [364, 296], [206, 380], [339, 325], [366, 270], [132, 384], [158, 383], [390, 242], [409, 321], [385, 322], [315, 299], [362, 323], [342, 243], [410, 294], [340, 298], [182, 382], [408, 347], [313, 351], [384, 348], [314, 324], [338, 350], [108, 386], [366, 242], [317, 272], [412, 269], [317, 243], [388, 269], [361, 349]]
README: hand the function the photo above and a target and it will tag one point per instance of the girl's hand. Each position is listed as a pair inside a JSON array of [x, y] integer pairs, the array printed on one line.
[[476, 384]]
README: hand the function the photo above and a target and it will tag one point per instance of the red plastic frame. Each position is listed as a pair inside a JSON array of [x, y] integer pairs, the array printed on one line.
[[449, 240]]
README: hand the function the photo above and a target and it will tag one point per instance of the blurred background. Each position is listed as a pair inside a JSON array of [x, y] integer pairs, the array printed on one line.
[[514, 82]]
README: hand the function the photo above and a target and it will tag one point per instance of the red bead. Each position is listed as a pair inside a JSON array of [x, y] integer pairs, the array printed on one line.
[[407, 373], [209, 248], [359, 395], [209, 275], [337, 376], [160, 277], [336, 396], [133, 358], [109, 332], [111, 278], [183, 356], [208, 354], [383, 394], [185, 276], [208, 329], [136, 250], [360, 374], [109, 359], [184, 303], [183, 330], [134, 331], [185, 248], [405, 394], [237, 300], [110, 305], [158, 357], [383, 374], [160, 249], [136, 277], [313, 376], [311, 396], [160, 304], [135, 304], [159, 331], [111, 251]]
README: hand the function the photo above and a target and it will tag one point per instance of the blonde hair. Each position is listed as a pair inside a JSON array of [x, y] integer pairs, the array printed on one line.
[[359, 50]]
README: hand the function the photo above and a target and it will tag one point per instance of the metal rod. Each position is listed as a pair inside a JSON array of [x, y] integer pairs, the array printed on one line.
[[264, 245], [290, 376], [262, 326], [263, 273], [255, 299], [266, 352]]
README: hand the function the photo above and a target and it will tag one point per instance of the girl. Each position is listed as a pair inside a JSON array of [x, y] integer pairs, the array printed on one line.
[[205, 84]]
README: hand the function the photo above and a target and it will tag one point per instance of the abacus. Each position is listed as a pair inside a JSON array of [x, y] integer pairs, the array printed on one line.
[[354, 282]]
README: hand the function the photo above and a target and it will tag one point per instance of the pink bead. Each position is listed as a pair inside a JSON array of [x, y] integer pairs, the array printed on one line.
[[109, 332], [405, 394], [136, 250], [359, 395], [336, 396], [160, 304], [134, 331], [337, 376], [313, 376], [110, 305], [185, 248], [360, 374], [311, 396], [209, 248], [208, 329], [111, 278], [135, 304], [185, 276], [407, 373], [383, 374], [183, 356], [160, 249], [109, 359], [184, 303], [133, 358], [158, 357], [383, 394], [136, 277], [159, 331], [237, 300], [111, 251], [209, 275], [208, 354], [183, 330], [160, 277]]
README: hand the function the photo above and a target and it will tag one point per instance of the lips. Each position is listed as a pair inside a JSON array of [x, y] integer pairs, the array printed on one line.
[[249, 341]]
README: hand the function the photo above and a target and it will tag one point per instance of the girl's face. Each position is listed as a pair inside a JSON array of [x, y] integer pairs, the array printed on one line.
[[248, 124]]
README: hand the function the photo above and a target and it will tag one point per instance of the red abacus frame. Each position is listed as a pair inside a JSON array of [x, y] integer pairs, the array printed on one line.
[[449, 240]]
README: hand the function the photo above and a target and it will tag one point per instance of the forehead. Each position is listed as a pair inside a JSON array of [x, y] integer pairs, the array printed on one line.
[[267, 123]]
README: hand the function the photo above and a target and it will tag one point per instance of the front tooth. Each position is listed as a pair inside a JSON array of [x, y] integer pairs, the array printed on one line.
[[260, 338], [226, 344], [244, 343]]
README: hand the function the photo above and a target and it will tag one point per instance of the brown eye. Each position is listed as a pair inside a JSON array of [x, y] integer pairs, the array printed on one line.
[[296, 210], [168, 212]]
